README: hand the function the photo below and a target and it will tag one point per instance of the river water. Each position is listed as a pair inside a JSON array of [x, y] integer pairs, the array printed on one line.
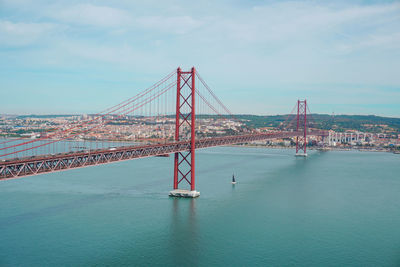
[[331, 209]]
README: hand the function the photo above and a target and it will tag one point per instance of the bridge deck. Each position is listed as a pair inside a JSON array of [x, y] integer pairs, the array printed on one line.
[[16, 168]]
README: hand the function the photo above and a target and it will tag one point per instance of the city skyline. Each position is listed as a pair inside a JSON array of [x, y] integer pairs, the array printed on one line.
[[73, 57]]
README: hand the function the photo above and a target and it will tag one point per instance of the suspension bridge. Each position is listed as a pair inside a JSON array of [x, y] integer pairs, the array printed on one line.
[[160, 121]]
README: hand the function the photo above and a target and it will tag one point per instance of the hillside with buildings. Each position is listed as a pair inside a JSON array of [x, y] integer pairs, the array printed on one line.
[[338, 123], [345, 131]]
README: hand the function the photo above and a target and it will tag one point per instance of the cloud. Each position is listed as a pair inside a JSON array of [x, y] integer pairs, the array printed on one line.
[[88, 14], [22, 34], [172, 24], [294, 21], [121, 54], [389, 41], [273, 48]]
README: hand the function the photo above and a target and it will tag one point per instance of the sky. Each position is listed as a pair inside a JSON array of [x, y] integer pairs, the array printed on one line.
[[258, 56]]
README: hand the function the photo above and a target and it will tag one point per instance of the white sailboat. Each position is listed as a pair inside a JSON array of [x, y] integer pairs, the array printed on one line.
[[233, 179]]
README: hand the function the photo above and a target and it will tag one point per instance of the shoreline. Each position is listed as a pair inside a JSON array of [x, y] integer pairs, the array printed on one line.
[[329, 149], [248, 145]]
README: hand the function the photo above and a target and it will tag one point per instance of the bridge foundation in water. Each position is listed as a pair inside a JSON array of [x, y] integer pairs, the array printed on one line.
[[184, 193]]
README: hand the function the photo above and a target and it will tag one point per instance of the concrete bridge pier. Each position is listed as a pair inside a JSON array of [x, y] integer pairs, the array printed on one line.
[[184, 193]]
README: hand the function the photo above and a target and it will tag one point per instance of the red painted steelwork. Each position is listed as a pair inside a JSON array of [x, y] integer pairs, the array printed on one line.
[[301, 140], [178, 104], [64, 161], [192, 132], [184, 163]]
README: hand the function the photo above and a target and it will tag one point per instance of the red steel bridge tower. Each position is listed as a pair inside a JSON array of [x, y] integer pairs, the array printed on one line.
[[184, 162], [301, 140]]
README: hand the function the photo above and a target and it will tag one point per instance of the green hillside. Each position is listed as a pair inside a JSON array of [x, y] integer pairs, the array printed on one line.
[[364, 123]]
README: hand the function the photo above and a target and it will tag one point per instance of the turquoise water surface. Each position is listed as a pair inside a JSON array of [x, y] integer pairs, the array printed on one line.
[[332, 209]]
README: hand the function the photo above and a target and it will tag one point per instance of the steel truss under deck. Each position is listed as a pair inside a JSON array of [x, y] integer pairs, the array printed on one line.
[[16, 168]]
